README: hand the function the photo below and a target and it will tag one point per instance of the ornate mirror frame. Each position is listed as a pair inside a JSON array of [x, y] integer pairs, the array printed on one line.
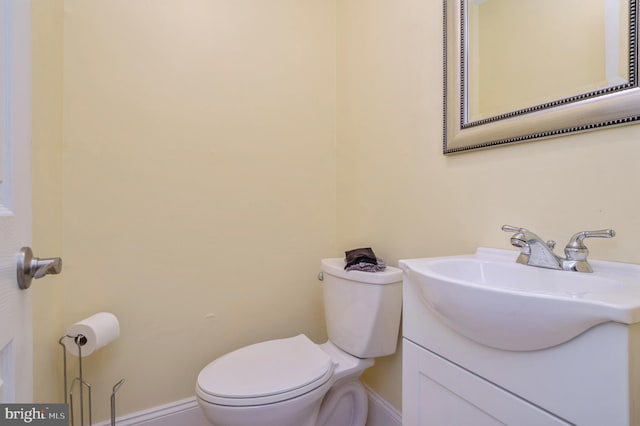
[[611, 106]]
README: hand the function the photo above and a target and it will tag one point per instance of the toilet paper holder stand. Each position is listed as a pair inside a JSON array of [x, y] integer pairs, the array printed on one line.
[[80, 340]]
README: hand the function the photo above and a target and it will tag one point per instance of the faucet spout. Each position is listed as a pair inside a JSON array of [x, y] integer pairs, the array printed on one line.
[[533, 249], [542, 255]]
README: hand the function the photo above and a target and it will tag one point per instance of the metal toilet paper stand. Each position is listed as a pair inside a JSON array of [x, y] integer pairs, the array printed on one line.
[[80, 340]]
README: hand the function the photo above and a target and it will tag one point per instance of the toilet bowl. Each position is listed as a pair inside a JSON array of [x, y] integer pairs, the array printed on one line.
[[296, 382], [279, 383]]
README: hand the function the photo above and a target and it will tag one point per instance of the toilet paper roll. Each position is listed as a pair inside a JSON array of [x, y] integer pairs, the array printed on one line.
[[98, 330]]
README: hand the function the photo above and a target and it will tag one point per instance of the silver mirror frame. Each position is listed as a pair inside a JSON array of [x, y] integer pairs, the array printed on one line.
[[612, 106]]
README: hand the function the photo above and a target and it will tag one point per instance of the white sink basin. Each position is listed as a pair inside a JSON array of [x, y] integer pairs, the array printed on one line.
[[493, 300]]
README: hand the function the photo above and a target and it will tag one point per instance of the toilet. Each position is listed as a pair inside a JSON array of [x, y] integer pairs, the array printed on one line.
[[296, 382]]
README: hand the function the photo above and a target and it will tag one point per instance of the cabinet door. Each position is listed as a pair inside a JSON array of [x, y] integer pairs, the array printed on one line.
[[437, 392]]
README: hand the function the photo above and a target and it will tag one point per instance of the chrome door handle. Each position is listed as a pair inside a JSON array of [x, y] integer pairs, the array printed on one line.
[[30, 267]]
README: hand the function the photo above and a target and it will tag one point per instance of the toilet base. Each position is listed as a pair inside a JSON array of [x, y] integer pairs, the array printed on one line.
[[346, 404]]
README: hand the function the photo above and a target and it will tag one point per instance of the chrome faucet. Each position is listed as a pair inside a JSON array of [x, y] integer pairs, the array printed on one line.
[[536, 252]]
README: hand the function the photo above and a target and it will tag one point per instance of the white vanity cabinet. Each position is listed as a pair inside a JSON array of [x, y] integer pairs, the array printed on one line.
[[438, 392], [451, 380]]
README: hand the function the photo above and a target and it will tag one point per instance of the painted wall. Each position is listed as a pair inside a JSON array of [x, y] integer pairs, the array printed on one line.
[[397, 192], [48, 295], [198, 160], [198, 178]]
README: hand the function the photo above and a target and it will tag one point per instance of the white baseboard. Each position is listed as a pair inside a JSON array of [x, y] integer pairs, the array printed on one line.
[[187, 412], [381, 413], [183, 412]]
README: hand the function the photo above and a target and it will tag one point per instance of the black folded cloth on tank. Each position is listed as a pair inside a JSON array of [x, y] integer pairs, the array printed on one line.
[[363, 259], [360, 255]]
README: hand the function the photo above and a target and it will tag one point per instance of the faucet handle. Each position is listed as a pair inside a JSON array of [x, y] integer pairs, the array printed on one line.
[[522, 234], [576, 250], [518, 239], [576, 241], [509, 228]]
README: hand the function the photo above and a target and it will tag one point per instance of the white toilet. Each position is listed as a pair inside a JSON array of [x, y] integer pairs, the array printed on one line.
[[295, 382]]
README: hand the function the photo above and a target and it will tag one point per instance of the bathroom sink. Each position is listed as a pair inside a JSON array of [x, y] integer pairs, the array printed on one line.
[[493, 300]]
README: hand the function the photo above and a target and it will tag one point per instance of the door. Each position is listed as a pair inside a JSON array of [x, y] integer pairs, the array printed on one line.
[[16, 346]]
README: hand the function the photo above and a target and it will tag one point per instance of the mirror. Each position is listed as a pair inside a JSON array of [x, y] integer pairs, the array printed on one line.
[[519, 70]]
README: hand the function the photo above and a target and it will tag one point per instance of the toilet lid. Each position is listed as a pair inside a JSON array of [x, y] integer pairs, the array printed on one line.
[[269, 371]]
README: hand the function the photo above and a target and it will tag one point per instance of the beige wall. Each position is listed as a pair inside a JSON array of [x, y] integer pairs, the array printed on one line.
[[199, 163], [47, 194], [398, 192], [197, 182]]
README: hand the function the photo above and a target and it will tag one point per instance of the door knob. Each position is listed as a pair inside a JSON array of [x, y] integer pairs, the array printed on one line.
[[30, 267]]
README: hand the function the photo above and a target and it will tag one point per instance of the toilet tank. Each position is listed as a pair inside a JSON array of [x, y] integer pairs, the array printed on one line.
[[362, 309]]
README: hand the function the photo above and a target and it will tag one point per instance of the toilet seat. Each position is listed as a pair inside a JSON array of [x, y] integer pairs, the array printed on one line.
[[265, 373]]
